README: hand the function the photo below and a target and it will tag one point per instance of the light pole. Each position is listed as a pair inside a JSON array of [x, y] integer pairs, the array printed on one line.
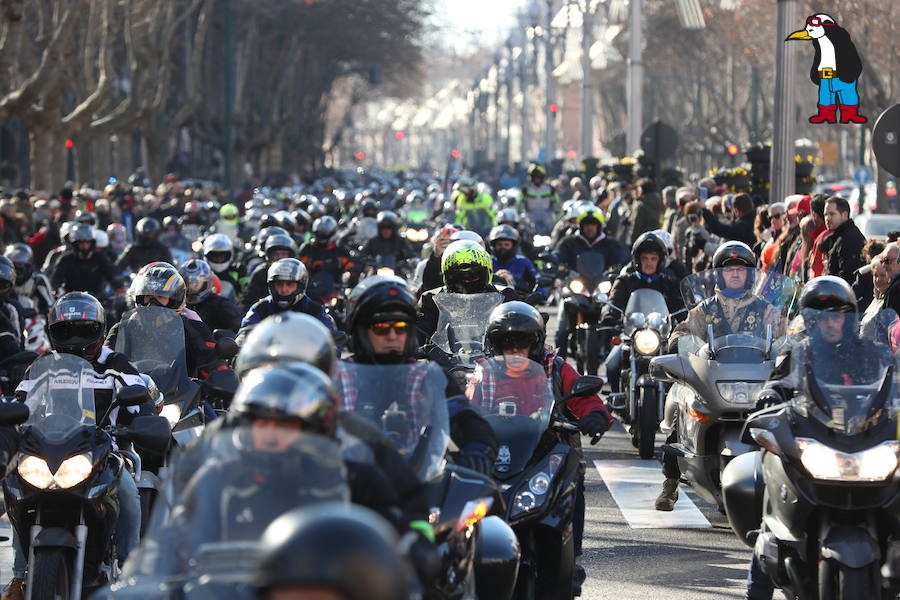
[[588, 10], [634, 92], [550, 86], [782, 169]]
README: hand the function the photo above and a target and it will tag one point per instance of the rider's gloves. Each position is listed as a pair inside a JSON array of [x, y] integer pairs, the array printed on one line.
[[477, 457], [535, 298], [768, 397], [594, 423]]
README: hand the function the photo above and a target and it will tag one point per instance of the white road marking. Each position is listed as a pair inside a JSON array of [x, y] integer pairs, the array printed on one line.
[[635, 484]]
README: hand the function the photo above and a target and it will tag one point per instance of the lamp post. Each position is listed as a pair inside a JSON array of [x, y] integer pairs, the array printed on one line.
[[634, 93], [550, 87], [782, 175]]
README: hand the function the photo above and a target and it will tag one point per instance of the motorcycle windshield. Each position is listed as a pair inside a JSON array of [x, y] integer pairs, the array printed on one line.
[[647, 301], [515, 396], [61, 400], [774, 288], [222, 494], [152, 337], [408, 402], [846, 382], [462, 321], [591, 265], [366, 229]]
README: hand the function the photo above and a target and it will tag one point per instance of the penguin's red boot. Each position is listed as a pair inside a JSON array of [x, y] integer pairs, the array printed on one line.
[[849, 114], [827, 114]]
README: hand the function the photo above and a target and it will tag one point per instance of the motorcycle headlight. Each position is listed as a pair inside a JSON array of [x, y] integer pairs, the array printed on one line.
[[539, 484], [604, 287], [576, 286], [823, 462], [385, 271], [172, 413], [73, 471], [35, 471], [646, 341], [739, 392]]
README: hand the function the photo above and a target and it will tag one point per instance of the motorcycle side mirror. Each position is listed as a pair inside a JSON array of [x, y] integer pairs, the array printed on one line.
[[586, 385], [666, 368], [546, 317], [340, 338], [711, 340], [222, 382], [13, 413], [132, 395], [226, 348], [150, 431]]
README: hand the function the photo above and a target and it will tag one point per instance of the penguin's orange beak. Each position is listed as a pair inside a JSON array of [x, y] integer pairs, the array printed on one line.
[[799, 35]]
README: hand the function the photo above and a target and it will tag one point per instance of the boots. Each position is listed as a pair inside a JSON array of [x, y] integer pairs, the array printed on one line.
[[14, 590], [668, 496], [849, 115], [827, 114]]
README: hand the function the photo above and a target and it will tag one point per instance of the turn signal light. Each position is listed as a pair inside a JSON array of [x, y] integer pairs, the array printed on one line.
[[616, 340], [699, 416]]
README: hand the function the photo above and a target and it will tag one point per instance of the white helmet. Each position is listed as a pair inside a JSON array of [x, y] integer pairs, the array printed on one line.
[[218, 251], [101, 238]]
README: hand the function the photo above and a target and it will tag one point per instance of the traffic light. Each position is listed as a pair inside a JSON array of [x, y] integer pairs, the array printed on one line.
[[360, 156], [454, 153], [732, 149], [399, 135], [69, 144], [554, 108], [572, 154]]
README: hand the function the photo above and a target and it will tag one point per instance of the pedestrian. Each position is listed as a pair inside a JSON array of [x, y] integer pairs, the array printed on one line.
[[741, 229], [844, 246]]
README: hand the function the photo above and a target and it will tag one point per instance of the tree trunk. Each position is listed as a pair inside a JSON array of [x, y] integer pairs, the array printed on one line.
[[84, 160], [38, 138], [156, 145], [100, 160]]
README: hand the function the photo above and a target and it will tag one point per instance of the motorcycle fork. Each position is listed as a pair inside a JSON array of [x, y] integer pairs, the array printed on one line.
[[633, 384], [81, 533], [33, 533]]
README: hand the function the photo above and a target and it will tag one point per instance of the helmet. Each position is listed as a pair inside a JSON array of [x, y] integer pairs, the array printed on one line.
[[198, 278], [295, 393], [301, 218], [368, 208], [508, 216], [380, 299], [466, 267], [666, 238], [734, 253], [264, 234], [8, 277], [171, 221], [287, 269], [315, 210], [465, 234], [337, 546], [101, 238], [268, 220], [117, 233], [82, 232], [828, 293], [218, 250], [287, 220], [388, 220], [279, 241], [76, 325], [648, 243], [287, 337], [229, 212], [516, 325], [158, 279], [466, 185], [84, 216], [22, 259], [504, 232], [324, 228], [588, 213], [148, 227], [536, 169]]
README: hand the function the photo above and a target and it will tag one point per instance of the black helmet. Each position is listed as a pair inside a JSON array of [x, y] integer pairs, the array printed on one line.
[[294, 392], [828, 293], [264, 234], [158, 279], [388, 220], [508, 216], [337, 546], [22, 259], [8, 277], [368, 208], [734, 253], [198, 279], [466, 267], [287, 269], [268, 220], [148, 227], [504, 232], [649, 243], [301, 218], [76, 325], [287, 337], [380, 299], [171, 221], [516, 325], [85, 216], [323, 229], [279, 241]]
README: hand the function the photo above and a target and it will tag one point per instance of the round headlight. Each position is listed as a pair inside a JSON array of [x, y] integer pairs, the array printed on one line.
[[577, 286], [646, 341], [172, 413], [605, 287], [35, 471], [539, 484]]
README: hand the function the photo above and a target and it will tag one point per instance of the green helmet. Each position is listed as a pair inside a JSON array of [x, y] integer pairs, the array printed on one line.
[[590, 213], [536, 169], [466, 267], [229, 211]]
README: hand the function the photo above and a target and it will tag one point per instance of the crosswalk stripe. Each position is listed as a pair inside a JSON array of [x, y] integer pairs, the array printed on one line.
[[634, 485]]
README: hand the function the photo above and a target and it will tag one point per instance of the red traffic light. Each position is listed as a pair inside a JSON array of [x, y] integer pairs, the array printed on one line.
[[360, 156], [69, 144], [732, 149], [572, 154], [554, 107], [399, 135], [454, 153]]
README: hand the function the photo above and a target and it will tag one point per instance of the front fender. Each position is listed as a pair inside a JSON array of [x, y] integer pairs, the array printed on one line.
[[850, 546]]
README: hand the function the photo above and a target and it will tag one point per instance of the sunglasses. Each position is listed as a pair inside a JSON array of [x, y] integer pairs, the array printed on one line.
[[816, 21], [382, 329]]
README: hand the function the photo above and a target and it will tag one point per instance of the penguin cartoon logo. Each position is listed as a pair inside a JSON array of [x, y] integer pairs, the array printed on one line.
[[835, 69]]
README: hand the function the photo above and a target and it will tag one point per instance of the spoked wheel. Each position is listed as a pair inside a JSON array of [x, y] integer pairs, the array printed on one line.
[[52, 575]]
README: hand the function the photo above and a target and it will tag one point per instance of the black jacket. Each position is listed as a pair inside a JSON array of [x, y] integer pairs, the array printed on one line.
[[427, 322], [137, 255], [574, 245], [257, 289], [84, 275], [844, 250], [626, 284], [397, 247], [431, 276], [741, 230], [219, 312]]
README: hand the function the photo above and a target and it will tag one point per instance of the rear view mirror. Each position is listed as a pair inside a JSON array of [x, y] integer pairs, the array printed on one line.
[[150, 432], [13, 413], [222, 382], [586, 385], [226, 348], [133, 395]]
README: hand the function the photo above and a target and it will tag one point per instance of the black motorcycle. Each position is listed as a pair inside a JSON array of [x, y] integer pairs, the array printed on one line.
[[537, 468], [61, 487], [825, 486], [585, 290]]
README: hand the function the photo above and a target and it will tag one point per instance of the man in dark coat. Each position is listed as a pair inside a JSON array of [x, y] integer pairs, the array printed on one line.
[[843, 248], [741, 229]]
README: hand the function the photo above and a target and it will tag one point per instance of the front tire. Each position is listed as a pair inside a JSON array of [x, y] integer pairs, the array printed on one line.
[[52, 574], [592, 351], [854, 583], [647, 424]]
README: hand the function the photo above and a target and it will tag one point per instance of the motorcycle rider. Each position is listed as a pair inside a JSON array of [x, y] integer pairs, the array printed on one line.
[[466, 269], [276, 247], [323, 255], [428, 271], [229, 222], [733, 309], [146, 247], [473, 209], [509, 216], [540, 199], [646, 271], [11, 323], [589, 238], [219, 254], [171, 236], [82, 268], [509, 264], [518, 329], [30, 284], [388, 242], [287, 280], [217, 311], [77, 325]]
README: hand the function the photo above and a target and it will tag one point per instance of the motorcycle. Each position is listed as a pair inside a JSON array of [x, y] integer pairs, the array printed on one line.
[[716, 382], [641, 402], [61, 486], [408, 403], [222, 494], [458, 340], [824, 485], [536, 467], [589, 343]]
